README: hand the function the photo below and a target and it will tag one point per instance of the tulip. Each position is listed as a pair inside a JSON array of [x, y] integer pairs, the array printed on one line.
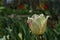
[[38, 24]]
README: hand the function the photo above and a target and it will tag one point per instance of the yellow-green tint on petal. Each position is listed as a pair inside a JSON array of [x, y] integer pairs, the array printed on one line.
[[38, 23], [43, 26], [34, 27]]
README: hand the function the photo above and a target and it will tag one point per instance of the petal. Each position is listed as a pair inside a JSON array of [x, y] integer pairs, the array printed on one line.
[[29, 22], [43, 25], [35, 16], [45, 21], [42, 16], [47, 17], [29, 19], [34, 28]]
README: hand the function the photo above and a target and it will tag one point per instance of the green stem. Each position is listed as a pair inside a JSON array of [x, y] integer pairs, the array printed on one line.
[[39, 37]]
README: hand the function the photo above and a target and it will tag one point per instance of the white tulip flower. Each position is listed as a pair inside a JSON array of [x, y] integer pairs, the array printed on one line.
[[38, 23]]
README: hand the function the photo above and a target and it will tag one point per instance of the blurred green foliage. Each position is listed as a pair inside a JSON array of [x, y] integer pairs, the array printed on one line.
[[17, 24]]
